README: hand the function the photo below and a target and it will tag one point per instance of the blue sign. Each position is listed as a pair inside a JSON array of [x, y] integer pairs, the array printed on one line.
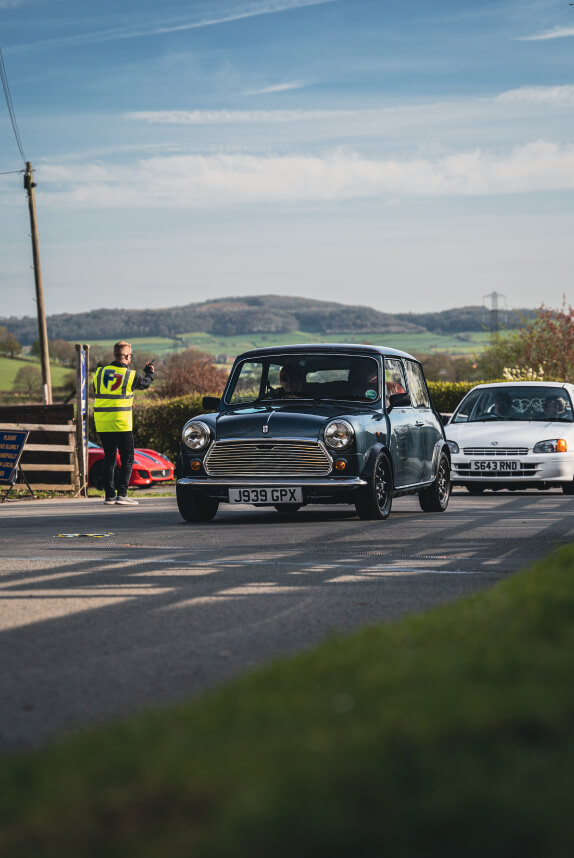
[[11, 446]]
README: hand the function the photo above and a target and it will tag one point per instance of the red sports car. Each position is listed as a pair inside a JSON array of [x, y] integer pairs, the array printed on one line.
[[149, 467]]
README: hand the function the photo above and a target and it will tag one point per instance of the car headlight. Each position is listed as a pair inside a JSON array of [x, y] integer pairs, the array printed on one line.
[[338, 434], [196, 435], [554, 445], [453, 446]]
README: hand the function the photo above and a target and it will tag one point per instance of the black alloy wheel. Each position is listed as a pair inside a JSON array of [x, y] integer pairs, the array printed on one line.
[[194, 506], [373, 501], [435, 498]]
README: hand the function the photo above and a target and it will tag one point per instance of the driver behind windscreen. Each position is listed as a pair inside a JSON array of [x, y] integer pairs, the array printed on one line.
[[292, 378]]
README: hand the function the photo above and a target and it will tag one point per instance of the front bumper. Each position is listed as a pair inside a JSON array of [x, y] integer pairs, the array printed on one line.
[[533, 468], [314, 489]]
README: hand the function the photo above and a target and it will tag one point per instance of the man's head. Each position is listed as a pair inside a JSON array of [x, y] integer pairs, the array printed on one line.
[[502, 404], [291, 377], [123, 352]]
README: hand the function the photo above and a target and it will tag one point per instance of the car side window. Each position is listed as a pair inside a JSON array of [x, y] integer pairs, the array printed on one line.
[[417, 386], [394, 378]]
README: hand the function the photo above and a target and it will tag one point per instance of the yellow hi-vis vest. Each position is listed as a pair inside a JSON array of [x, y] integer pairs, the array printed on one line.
[[113, 386]]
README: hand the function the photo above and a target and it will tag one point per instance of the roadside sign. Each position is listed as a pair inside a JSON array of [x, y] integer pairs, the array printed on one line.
[[11, 447]]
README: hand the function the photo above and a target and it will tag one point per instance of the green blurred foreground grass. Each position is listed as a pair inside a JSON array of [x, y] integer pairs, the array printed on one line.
[[449, 734]]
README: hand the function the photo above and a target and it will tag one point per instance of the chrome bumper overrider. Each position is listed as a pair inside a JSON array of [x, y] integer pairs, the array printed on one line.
[[270, 483]]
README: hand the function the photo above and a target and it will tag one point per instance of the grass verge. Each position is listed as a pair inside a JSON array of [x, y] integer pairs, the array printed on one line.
[[447, 734]]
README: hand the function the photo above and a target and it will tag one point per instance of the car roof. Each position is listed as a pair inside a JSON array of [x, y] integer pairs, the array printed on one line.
[[556, 384], [322, 348]]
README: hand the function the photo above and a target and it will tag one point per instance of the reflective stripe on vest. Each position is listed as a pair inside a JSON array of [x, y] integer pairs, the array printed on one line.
[[113, 387]]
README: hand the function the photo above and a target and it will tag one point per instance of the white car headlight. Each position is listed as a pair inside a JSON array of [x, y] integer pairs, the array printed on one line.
[[338, 434], [453, 446], [196, 435], [554, 445]]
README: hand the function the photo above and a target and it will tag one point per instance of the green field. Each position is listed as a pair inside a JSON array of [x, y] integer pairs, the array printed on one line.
[[9, 368], [459, 344]]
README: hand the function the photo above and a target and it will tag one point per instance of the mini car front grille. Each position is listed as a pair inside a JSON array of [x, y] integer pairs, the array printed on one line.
[[495, 451], [267, 459]]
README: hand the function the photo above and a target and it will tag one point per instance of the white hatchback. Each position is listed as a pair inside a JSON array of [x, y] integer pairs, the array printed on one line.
[[514, 435]]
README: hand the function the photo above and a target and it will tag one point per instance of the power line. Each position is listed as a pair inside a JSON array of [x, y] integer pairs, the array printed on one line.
[[10, 106]]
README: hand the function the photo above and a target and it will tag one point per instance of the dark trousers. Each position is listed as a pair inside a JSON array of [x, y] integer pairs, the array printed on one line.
[[123, 443]]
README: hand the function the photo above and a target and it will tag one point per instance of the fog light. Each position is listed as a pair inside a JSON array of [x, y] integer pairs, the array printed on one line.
[[195, 465], [340, 465]]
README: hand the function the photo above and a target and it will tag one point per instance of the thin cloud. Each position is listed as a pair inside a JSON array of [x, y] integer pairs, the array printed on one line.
[[221, 181], [556, 33], [252, 10], [279, 87], [231, 117], [535, 95]]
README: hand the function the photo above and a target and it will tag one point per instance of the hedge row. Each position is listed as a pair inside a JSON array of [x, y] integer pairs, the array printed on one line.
[[158, 423]]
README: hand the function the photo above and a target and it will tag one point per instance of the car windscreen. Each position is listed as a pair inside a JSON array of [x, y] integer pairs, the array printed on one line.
[[515, 403], [301, 376]]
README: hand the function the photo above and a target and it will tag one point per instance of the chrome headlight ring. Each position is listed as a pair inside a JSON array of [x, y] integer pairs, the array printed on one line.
[[338, 434], [196, 435]]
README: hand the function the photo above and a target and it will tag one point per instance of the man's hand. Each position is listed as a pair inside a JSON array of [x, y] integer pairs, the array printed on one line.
[[149, 367]]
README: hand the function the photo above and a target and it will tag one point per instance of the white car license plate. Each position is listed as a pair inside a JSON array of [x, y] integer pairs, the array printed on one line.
[[495, 465], [271, 496]]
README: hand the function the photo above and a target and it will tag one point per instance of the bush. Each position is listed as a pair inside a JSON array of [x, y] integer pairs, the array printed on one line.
[[446, 395], [158, 423]]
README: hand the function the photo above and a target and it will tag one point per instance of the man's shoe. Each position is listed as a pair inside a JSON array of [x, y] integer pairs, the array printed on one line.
[[110, 500], [126, 501]]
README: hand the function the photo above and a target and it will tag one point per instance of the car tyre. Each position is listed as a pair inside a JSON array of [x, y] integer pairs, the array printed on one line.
[[374, 501], [435, 498], [568, 488], [287, 508], [195, 506]]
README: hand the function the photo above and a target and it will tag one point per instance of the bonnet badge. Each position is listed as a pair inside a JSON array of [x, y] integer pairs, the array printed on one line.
[[265, 429]]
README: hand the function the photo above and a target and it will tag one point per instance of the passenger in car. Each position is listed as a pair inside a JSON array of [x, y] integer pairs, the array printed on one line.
[[554, 407]]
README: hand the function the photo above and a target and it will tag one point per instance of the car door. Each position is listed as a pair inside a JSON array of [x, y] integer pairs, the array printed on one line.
[[426, 422], [404, 439]]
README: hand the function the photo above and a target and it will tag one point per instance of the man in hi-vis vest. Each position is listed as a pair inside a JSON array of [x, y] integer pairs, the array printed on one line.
[[114, 387]]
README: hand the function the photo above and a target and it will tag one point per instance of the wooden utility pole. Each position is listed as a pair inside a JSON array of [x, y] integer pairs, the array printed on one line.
[[29, 184]]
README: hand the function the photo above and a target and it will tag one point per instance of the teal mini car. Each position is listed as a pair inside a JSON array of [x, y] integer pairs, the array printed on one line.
[[321, 423]]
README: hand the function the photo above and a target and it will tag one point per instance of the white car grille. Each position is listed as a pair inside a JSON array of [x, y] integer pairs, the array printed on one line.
[[491, 452], [267, 459]]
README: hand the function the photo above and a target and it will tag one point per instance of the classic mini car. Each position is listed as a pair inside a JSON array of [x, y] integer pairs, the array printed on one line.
[[149, 467], [515, 435], [322, 423]]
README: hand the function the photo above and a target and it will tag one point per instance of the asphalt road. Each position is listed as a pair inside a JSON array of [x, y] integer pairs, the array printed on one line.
[[148, 609]]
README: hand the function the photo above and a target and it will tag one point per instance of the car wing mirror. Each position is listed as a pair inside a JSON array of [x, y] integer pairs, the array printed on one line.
[[211, 403], [398, 400]]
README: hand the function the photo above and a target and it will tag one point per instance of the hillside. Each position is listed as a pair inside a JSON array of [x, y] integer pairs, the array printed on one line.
[[263, 314]]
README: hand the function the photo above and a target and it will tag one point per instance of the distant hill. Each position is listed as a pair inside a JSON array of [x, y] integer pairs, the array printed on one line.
[[263, 314]]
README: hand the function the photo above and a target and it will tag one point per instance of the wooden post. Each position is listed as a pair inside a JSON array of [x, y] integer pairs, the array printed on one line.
[[42, 329]]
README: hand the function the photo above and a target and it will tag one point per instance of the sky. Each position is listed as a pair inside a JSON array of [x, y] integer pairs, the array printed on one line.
[[407, 156]]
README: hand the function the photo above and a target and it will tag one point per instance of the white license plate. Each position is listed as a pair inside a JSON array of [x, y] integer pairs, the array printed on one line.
[[271, 496], [495, 465]]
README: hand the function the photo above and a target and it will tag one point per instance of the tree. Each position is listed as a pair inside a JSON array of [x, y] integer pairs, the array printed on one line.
[[546, 341], [28, 381], [189, 371], [9, 345]]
